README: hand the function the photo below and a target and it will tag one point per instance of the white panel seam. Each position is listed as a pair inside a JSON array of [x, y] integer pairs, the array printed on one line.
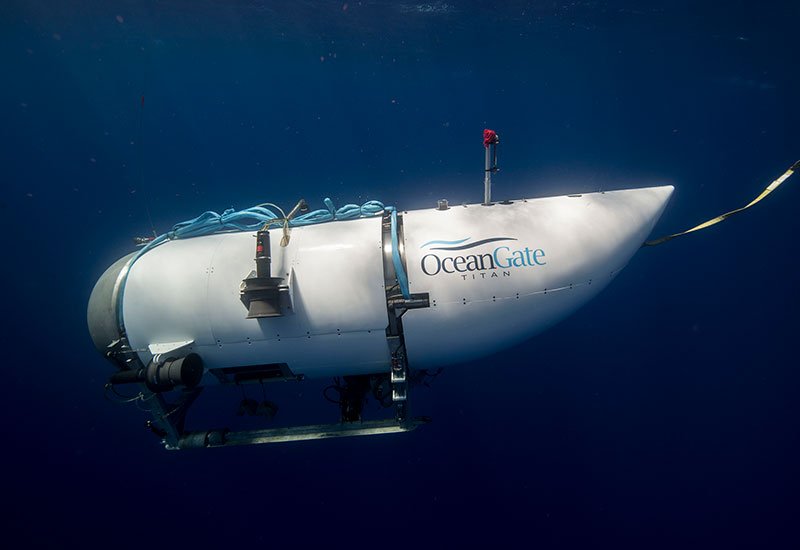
[[309, 335], [518, 295]]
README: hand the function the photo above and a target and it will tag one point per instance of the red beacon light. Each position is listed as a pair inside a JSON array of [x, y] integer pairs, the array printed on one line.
[[490, 137], [490, 141]]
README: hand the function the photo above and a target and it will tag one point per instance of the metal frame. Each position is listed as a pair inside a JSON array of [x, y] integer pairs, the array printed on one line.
[[396, 306], [169, 418]]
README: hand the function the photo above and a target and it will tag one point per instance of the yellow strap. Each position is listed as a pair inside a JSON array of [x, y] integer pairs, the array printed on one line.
[[770, 188]]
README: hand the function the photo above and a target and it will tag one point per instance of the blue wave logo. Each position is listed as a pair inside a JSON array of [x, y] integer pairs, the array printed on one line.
[[454, 245]]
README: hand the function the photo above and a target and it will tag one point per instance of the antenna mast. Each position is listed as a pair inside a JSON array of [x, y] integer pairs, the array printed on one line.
[[490, 141]]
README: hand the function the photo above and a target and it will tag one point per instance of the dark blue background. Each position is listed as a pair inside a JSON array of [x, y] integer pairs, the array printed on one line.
[[664, 413]]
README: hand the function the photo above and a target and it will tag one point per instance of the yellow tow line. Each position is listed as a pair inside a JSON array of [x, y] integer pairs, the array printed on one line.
[[770, 188]]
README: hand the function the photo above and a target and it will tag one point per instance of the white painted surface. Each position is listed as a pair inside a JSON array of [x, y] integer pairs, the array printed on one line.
[[334, 322], [585, 240]]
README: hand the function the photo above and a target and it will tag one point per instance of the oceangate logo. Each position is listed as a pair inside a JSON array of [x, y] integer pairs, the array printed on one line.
[[503, 258]]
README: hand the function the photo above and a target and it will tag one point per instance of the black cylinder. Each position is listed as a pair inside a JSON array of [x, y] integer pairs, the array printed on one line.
[[184, 371], [263, 254], [261, 294], [127, 377]]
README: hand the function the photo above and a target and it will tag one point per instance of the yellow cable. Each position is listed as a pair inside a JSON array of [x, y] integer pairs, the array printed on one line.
[[770, 188]]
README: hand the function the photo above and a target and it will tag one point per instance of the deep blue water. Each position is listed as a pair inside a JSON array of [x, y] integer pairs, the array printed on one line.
[[665, 413]]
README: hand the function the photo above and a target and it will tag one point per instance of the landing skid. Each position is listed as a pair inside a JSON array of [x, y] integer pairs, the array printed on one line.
[[168, 418], [224, 438]]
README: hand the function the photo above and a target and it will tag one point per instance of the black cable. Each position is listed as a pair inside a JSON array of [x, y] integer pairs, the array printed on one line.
[[123, 399], [385, 400], [325, 394]]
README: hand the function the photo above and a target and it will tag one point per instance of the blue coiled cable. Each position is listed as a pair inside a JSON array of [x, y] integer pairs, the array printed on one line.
[[257, 217]]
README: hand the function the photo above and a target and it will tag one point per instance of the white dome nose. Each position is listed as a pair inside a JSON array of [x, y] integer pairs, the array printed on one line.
[[615, 224], [641, 208], [519, 267]]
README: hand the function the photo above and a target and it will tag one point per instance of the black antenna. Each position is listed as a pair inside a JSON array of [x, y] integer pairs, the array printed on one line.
[[145, 69], [140, 161]]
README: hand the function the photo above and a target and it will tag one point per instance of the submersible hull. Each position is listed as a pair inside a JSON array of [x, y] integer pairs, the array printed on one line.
[[374, 302], [488, 277]]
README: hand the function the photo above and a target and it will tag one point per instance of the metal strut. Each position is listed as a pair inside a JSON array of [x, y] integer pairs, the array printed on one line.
[[168, 418], [398, 301], [225, 438]]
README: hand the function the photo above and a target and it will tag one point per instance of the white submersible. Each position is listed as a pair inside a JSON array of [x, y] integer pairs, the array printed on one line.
[[372, 299]]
